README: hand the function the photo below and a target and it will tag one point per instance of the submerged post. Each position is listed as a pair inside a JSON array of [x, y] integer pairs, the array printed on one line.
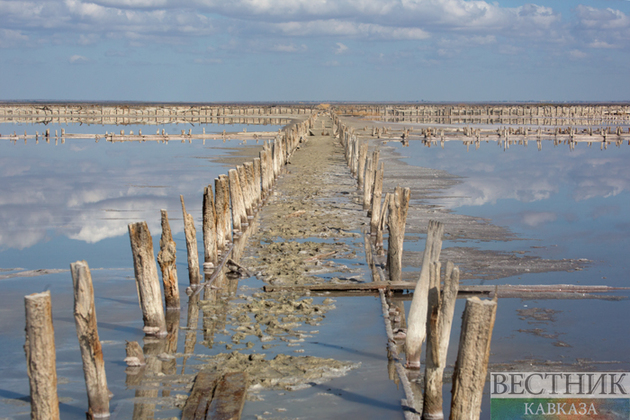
[[87, 333], [147, 281], [167, 260], [471, 366], [41, 356]]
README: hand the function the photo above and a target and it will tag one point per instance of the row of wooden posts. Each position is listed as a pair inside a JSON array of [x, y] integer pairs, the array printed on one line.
[[432, 308], [226, 215]]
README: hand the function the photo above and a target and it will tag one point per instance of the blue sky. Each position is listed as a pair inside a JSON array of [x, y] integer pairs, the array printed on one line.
[[315, 50]]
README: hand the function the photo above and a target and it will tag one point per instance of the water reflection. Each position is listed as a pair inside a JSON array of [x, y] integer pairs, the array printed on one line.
[[570, 201], [90, 192]]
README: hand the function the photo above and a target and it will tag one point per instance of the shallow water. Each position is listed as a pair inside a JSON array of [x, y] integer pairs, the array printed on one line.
[[77, 198], [71, 201], [561, 204]]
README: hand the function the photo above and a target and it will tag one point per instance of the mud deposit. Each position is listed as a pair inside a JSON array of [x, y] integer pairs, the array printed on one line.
[[308, 232]]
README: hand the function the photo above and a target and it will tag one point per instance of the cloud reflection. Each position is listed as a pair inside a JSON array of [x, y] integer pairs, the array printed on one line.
[[537, 179], [82, 194]]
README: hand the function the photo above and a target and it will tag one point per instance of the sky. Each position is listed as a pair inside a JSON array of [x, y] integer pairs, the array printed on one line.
[[315, 50]]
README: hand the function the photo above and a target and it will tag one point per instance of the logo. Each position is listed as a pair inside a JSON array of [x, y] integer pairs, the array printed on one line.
[[560, 395]]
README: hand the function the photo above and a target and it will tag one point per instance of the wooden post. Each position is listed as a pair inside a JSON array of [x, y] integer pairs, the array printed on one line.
[[258, 180], [249, 173], [41, 357], [245, 191], [239, 216], [362, 160], [147, 281], [439, 323], [194, 274], [270, 165], [469, 375], [209, 227], [87, 332], [135, 355], [167, 261], [222, 208], [275, 157], [398, 207], [417, 319], [355, 157], [377, 193], [381, 224], [264, 172], [368, 181]]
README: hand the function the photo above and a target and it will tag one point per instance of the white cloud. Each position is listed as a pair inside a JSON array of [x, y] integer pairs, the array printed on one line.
[[132, 4], [577, 54], [88, 39], [349, 29], [12, 38], [448, 26], [602, 28], [341, 48], [78, 59], [289, 48]]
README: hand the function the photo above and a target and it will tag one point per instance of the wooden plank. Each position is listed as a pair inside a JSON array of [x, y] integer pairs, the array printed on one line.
[[200, 396], [229, 397], [504, 290]]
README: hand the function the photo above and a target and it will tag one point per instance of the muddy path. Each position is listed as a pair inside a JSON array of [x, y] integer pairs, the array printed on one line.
[[306, 356]]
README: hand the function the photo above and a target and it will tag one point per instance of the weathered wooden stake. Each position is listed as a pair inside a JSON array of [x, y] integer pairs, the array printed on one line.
[[471, 366], [257, 180], [41, 356], [89, 343], [368, 180], [398, 207], [167, 261], [377, 193], [264, 172], [382, 221], [222, 209], [147, 281], [249, 172], [194, 274], [417, 319], [439, 323], [209, 227], [362, 160], [245, 190], [135, 355], [239, 215]]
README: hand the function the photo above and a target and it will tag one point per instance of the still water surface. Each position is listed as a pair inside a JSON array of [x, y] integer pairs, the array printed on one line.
[[561, 204], [61, 203]]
